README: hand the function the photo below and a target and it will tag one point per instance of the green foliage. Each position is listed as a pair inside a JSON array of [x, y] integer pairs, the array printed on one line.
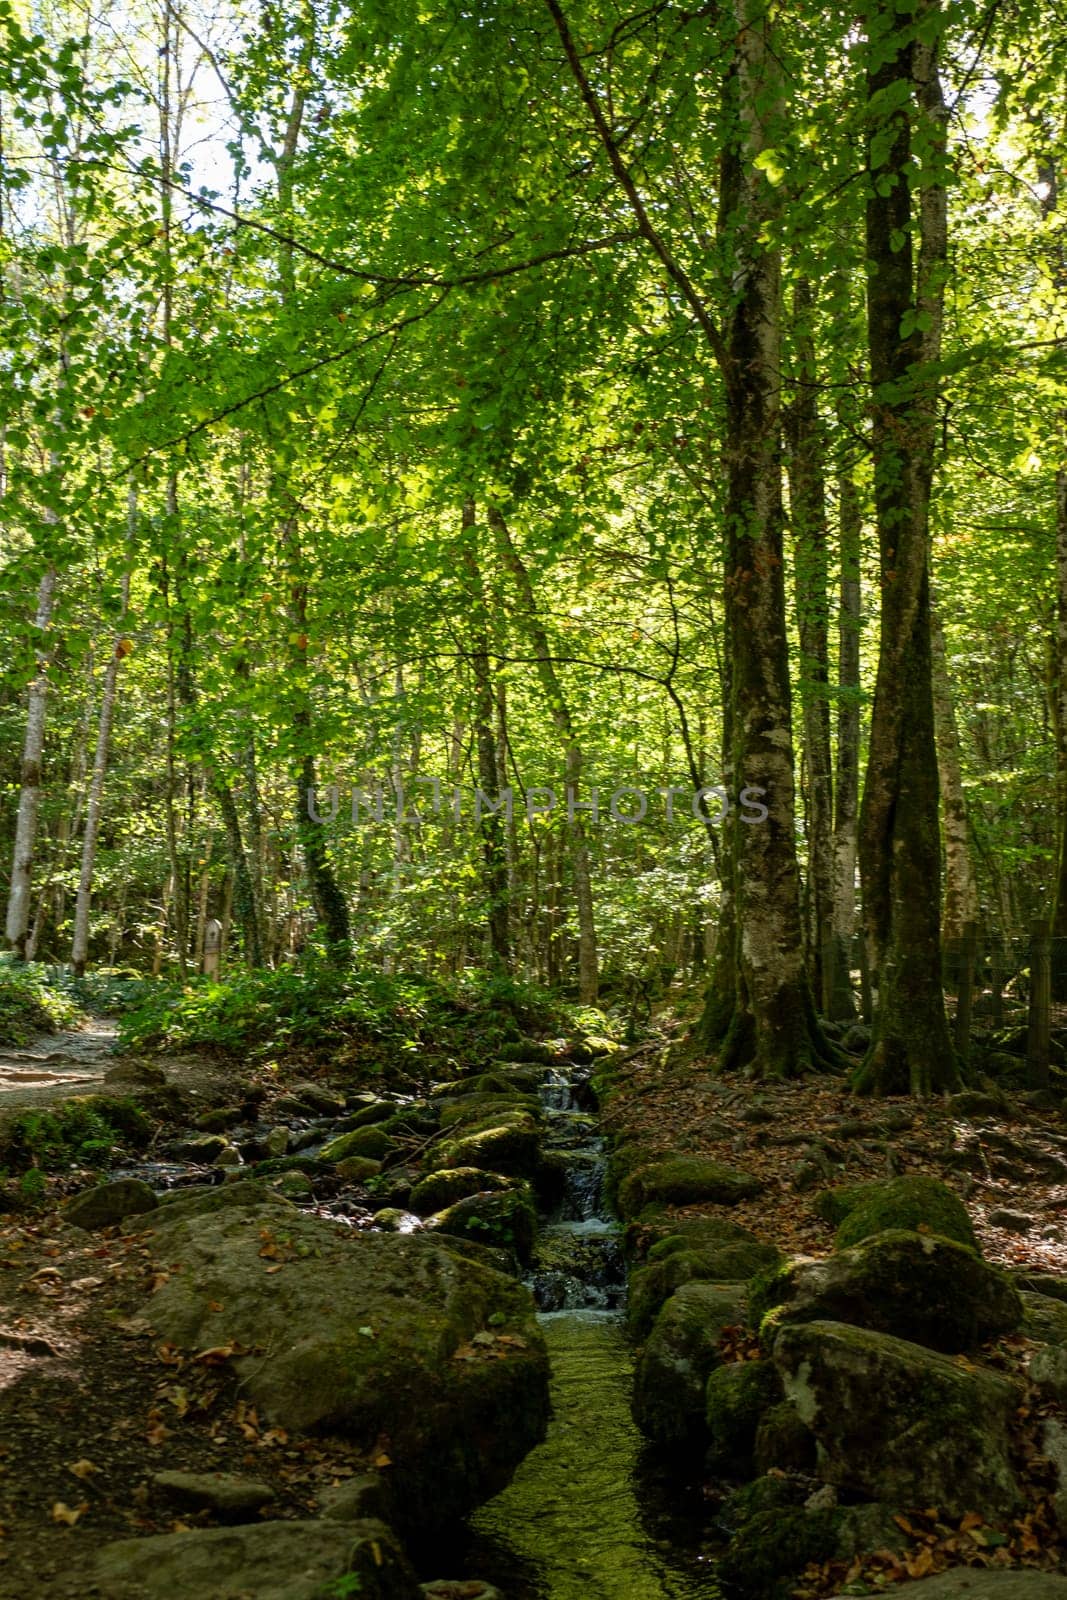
[[77, 1132], [29, 1004]]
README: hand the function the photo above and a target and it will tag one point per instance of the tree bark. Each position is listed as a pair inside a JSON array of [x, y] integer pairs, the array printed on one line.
[[807, 515], [18, 904], [961, 883], [911, 1050], [846, 785]]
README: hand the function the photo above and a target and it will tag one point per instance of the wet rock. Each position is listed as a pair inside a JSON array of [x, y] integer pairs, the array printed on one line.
[[1054, 1446], [293, 1185], [736, 1398], [509, 1144], [460, 1589], [686, 1180], [202, 1150], [358, 1334], [394, 1219], [219, 1119], [918, 1286], [731, 1260], [357, 1169], [444, 1188], [898, 1423], [324, 1102], [229, 1156], [231, 1499], [270, 1560], [915, 1202], [367, 1116], [672, 1369], [277, 1141], [782, 1442], [371, 1142], [109, 1203], [365, 1495], [1044, 1319], [506, 1220], [479, 1109]]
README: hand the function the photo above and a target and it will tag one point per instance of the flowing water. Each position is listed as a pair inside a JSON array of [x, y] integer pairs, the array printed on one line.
[[585, 1517]]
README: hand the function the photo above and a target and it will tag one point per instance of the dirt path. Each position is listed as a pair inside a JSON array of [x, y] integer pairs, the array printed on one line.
[[57, 1064]]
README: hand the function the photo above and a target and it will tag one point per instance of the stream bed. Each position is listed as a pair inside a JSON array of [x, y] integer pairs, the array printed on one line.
[[582, 1519]]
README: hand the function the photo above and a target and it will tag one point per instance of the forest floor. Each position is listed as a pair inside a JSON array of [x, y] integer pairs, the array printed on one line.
[[1007, 1161], [93, 1407]]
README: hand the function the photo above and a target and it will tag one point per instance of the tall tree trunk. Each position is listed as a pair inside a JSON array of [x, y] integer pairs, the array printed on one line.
[[18, 904], [588, 974], [911, 1050], [494, 843], [80, 943], [846, 785], [760, 1002], [807, 506], [961, 884]]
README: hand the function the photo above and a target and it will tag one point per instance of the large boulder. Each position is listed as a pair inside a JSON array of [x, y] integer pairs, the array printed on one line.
[[377, 1337], [686, 1181], [270, 1560], [899, 1423], [109, 1203], [915, 1202], [672, 1369], [917, 1286]]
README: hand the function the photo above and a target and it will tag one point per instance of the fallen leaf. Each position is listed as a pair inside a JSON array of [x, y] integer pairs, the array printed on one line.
[[68, 1514], [83, 1468]]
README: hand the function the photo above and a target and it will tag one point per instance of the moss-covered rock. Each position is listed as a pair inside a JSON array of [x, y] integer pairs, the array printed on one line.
[[506, 1220], [684, 1181], [178, 1205], [357, 1334], [707, 1234], [782, 1442], [735, 1399], [898, 1423], [357, 1169], [473, 1109], [441, 1189], [917, 1286], [509, 1144], [730, 1262], [109, 1203], [1044, 1319], [373, 1142], [915, 1202], [682, 1349], [771, 1548], [367, 1116], [508, 1080]]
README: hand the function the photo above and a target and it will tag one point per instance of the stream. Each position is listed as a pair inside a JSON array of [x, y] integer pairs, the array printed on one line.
[[588, 1516]]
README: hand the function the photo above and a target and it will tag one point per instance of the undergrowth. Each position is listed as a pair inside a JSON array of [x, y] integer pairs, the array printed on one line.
[[31, 1003], [323, 1010], [83, 1132]]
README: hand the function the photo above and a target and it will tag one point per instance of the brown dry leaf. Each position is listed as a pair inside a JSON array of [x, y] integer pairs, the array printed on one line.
[[214, 1305], [68, 1514], [169, 1354], [219, 1353], [158, 1280], [83, 1468], [971, 1519], [919, 1565], [276, 1268], [383, 1460]]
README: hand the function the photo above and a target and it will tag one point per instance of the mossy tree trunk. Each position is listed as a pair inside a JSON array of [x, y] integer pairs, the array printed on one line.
[[900, 857]]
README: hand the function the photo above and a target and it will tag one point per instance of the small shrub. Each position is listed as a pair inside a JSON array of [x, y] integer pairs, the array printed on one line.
[[30, 1004]]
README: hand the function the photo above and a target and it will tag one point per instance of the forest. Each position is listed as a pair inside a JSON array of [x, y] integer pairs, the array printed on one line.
[[533, 670]]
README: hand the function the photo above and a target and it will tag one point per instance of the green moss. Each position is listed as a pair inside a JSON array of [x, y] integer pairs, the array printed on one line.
[[735, 1399], [772, 1547], [372, 1142], [511, 1145], [506, 1220], [915, 1202], [652, 1285], [685, 1180], [475, 1109], [444, 1188], [834, 1204]]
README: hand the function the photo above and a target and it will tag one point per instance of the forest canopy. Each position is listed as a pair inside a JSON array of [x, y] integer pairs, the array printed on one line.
[[461, 464]]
